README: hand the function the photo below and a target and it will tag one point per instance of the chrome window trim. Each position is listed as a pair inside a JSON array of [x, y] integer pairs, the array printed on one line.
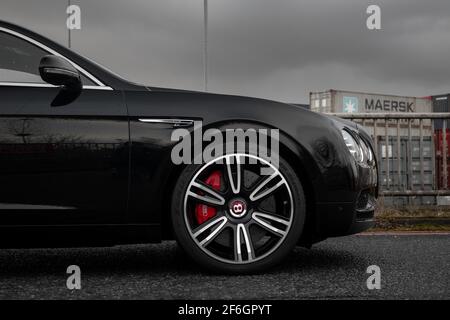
[[51, 51], [13, 206], [47, 85]]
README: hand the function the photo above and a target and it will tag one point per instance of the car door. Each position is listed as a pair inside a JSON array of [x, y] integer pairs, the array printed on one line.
[[64, 163]]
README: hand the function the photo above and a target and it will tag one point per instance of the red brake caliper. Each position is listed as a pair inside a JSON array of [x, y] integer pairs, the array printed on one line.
[[202, 211]]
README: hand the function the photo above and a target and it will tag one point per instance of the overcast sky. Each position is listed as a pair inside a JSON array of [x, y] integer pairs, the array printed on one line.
[[279, 49]]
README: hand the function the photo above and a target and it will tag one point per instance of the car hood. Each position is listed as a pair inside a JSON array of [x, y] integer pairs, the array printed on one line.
[[247, 107]]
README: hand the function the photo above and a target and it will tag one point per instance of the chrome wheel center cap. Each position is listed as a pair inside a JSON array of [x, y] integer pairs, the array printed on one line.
[[237, 208]]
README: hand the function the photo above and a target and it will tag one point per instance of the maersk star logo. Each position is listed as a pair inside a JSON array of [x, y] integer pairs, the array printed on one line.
[[350, 104]]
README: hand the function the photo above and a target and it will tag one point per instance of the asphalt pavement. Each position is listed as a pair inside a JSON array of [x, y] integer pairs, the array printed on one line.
[[412, 267]]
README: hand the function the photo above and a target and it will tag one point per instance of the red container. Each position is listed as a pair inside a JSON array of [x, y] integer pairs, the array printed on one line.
[[439, 149]]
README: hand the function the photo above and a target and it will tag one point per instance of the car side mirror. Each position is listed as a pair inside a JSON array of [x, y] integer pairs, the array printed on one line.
[[60, 72]]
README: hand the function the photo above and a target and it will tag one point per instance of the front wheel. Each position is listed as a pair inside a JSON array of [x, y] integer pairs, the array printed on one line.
[[238, 213]]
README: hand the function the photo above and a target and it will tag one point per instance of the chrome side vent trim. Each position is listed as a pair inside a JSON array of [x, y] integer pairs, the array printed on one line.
[[173, 122]]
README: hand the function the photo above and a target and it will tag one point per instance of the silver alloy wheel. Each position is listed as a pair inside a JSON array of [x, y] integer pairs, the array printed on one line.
[[247, 231]]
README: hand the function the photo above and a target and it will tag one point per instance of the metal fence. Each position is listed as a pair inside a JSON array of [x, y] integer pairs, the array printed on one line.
[[412, 153]]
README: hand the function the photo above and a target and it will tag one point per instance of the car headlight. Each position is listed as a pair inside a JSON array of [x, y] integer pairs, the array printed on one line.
[[368, 154], [353, 146]]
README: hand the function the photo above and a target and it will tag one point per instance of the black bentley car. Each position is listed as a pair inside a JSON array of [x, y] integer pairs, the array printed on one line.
[[85, 160]]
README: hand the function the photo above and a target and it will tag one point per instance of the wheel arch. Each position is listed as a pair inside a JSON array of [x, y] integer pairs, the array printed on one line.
[[291, 150]]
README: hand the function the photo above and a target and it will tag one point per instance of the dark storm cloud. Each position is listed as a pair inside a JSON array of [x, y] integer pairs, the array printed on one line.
[[275, 49]]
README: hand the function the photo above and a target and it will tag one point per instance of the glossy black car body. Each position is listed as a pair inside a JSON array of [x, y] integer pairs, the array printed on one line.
[[90, 172]]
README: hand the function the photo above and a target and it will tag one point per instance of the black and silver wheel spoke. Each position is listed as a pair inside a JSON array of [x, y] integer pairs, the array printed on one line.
[[259, 192], [214, 227], [234, 179], [267, 222], [242, 234], [212, 197]]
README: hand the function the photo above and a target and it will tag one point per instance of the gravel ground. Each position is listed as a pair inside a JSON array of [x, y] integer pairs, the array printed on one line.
[[413, 266]]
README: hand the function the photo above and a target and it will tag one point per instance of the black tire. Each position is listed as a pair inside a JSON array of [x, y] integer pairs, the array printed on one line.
[[186, 241]]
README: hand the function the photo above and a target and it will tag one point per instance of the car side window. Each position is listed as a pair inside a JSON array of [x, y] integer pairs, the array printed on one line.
[[19, 61]]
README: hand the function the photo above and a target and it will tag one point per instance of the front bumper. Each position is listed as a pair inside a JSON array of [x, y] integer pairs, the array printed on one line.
[[349, 205], [345, 218], [364, 217]]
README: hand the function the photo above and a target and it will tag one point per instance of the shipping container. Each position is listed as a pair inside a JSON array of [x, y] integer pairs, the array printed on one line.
[[441, 157], [339, 101], [441, 104]]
